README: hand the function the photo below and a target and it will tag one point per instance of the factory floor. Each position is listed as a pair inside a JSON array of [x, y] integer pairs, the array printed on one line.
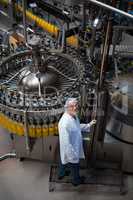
[[29, 180]]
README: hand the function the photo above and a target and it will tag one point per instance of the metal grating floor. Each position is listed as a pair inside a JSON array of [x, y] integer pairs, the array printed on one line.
[[106, 177]]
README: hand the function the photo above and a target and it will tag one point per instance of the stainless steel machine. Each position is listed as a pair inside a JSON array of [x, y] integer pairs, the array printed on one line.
[[34, 87]]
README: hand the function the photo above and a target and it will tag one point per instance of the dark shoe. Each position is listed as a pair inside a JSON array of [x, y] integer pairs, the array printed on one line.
[[75, 184]]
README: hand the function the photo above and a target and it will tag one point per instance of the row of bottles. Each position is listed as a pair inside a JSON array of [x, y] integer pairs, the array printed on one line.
[[38, 128]]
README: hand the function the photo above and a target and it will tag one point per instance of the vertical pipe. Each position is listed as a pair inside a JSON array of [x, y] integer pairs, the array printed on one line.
[[92, 47], [11, 10], [116, 70], [105, 49], [26, 132], [84, 16], [24, 20], [63, 38]]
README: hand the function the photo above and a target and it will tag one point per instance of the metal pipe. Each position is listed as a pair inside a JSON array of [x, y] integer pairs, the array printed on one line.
[[84, 16], [92, 47], [112, 8], [63, 37], [105, 48], [116, 70], [24, 19], [8, 155], [26, 132], [11, 10], [39, 88]]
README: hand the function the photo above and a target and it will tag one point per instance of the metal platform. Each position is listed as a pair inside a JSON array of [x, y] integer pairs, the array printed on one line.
[[102, 177]]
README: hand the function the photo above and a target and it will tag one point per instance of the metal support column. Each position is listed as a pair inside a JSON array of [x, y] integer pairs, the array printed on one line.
[[24, 20]]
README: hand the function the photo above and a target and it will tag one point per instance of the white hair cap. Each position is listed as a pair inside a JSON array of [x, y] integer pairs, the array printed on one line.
[[70, 101]]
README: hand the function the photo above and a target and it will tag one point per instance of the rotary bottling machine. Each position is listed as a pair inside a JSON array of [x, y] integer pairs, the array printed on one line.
[[34, 87]]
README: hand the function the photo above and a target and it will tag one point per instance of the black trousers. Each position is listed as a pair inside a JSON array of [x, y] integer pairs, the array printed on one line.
[[73, 168]]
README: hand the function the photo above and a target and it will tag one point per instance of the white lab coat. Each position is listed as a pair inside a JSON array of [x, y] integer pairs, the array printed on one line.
[[70, 138]]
